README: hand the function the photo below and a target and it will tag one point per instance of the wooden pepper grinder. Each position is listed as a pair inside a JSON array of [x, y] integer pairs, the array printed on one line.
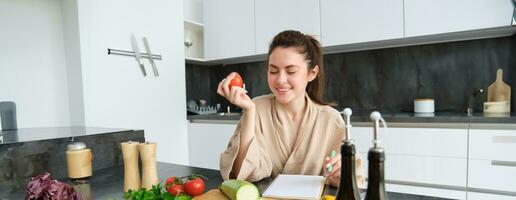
[[149, 172], [131, 171]]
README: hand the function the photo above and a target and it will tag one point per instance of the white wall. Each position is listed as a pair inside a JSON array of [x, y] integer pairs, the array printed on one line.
[[115, 92], [32, 62], [193, 10], [73, 61], [54, 65]]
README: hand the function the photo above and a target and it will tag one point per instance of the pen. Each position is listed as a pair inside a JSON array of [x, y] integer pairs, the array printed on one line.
[[329, 167]]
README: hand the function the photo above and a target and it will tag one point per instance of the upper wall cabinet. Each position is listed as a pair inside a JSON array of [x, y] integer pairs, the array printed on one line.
[[355, 21], [426, 17], [274, 16], [228, 29]]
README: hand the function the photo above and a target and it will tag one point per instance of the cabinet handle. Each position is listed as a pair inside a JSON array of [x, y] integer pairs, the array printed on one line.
[[504, 139], [503, 163]]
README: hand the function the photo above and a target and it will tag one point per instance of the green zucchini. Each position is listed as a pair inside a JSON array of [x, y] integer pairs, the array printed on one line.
[[239, 190]]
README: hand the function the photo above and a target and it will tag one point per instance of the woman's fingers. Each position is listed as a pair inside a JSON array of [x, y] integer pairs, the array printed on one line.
[[234, 96], [332, 167], [331, 161], [336, 170], [225, 84], [223, 87], [220, 90], [240, 95]]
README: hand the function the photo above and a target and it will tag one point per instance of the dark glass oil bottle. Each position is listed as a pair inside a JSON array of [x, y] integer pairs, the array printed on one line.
[[348, 189], [376, 169], [376, 179]]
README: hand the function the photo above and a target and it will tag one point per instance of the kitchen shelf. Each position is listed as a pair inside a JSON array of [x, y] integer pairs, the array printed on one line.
[[194, 42], [192, 25], [197, 61]]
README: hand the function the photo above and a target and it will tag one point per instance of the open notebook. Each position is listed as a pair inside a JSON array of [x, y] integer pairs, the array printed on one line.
[[295, 187]]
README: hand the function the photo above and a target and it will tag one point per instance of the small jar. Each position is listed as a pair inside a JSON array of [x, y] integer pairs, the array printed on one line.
[[78, 161], [424, 106]]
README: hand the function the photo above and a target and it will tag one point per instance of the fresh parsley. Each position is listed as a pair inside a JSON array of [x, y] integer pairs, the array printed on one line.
[[156, 193]]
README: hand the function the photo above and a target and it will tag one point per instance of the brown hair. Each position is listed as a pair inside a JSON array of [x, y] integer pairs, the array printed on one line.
[[311, 48]]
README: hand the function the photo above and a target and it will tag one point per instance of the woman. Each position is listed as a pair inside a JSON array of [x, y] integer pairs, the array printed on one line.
[[292, 130]]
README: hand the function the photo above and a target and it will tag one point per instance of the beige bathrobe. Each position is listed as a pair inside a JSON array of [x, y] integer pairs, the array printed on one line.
[[276, 149]]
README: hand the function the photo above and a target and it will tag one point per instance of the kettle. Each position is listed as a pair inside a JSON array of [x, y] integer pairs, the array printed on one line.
[[78, 161]]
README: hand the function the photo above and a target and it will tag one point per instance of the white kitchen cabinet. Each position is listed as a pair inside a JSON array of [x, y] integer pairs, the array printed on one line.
[[438, 142], [492, 162], [274, 16], [424, 161], [484, 196], [354, 21], [207, 141], [229, 29], [427, 17]]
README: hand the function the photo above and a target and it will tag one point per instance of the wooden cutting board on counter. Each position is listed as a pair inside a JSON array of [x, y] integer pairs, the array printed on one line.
[[216, 194], [499, 90]]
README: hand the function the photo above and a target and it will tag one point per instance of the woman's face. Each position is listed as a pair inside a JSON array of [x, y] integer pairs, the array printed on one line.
[[288, 74]]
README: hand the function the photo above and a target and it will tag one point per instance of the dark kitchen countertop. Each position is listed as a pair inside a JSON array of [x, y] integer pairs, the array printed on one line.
[[438, 117], [109, 183], [401, 119], [48, 133]]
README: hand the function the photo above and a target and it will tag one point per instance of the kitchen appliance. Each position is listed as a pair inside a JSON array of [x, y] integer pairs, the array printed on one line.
[[424, 106], [79, 161], [8, 115]]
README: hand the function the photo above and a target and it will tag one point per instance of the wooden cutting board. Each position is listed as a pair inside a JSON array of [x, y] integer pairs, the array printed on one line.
[[499, 90], [214, 194]]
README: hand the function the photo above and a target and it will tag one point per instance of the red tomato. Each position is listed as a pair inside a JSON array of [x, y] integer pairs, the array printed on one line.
[[194, 187], [174, 186], [237, 81]]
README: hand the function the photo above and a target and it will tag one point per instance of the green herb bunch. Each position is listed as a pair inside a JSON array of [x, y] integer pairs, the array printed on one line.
[[156, 193]]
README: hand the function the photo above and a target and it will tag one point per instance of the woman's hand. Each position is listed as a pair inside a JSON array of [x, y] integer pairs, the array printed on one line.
[[235, 95], [334, 174]]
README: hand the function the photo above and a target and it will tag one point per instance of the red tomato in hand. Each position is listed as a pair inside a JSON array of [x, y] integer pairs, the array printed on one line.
[[174, 186], [194, 187], [237, 81]]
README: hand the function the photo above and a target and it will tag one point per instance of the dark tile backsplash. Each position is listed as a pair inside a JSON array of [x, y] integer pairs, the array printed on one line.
[[386, 79]]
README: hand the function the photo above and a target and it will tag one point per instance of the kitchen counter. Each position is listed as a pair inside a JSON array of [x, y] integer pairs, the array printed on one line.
[[28, 152], [109, 183], [401, 119], [49, 133]]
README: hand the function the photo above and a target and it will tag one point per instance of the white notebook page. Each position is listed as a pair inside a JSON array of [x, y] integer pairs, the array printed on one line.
[[295, 187]]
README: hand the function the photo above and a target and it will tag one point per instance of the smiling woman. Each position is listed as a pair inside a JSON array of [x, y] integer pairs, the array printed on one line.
[[292, 130]]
